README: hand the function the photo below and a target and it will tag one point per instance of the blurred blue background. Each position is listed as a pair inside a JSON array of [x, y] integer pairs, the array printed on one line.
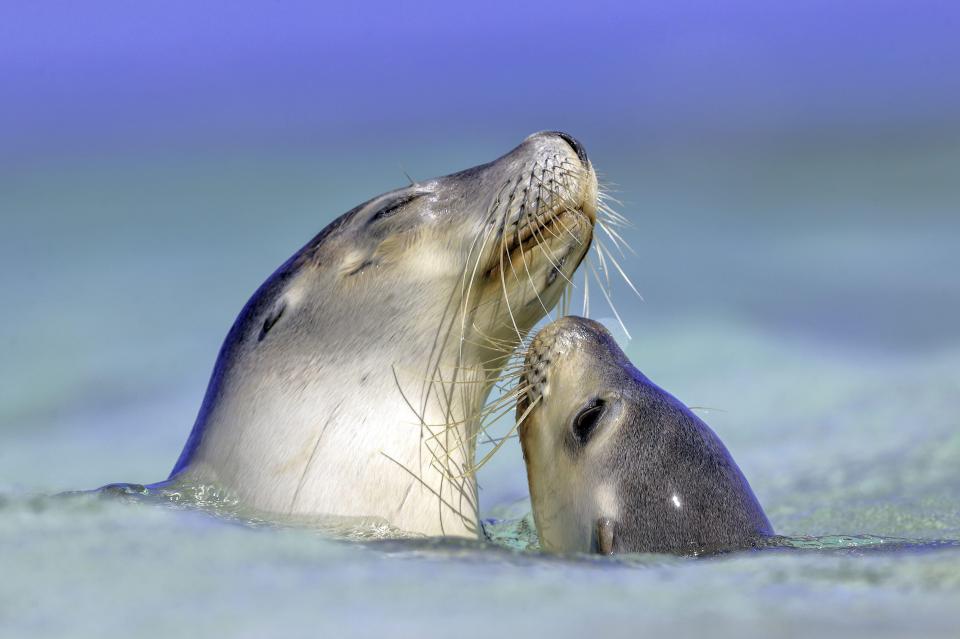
[[792, 170]]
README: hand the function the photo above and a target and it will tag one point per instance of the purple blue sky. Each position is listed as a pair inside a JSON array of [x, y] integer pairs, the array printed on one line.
[[98, 77]]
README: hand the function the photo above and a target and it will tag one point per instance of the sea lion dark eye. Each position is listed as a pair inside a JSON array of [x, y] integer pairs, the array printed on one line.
[[585, 423]]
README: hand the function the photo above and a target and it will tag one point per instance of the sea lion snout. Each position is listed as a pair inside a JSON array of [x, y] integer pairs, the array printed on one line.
[[569, 345], [570, 155], [571, 141], [564, 374]]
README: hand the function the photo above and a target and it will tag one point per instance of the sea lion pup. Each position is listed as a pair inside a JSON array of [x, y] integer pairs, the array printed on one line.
[[351, 382], [615, 463]]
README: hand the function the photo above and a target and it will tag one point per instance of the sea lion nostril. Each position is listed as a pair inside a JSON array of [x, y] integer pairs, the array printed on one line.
[[574, 144]]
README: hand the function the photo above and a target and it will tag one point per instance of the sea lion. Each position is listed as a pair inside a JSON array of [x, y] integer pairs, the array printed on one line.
[[616, 464], [350, 383]]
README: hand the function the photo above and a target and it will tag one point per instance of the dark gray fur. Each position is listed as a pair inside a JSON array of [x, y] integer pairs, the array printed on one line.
[[654, 448], [662, 450]]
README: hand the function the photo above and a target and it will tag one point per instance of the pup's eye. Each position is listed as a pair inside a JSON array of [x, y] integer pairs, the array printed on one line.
[[392, 207], [585, 423]]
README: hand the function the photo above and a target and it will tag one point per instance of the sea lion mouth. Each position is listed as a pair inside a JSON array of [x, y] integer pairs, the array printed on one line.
[[545, 227], [526, 233], [553, 200], [532, 233]]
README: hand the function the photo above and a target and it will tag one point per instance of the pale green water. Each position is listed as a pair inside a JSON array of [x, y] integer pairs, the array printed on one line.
[[821, 330]]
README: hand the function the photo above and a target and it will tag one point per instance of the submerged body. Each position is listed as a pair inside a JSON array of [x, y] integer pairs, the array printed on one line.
[[349, 383], [616, 464]]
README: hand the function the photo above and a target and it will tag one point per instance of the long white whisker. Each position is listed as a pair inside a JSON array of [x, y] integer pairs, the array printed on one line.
[[616, 265], [610, 302]]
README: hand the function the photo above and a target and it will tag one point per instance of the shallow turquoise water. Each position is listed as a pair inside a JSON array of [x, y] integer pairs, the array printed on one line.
[[821, 334]]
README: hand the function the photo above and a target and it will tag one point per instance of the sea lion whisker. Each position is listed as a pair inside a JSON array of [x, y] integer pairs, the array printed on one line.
[[491, 440], [503, 350], [488, 456], [605, 198], [605, 192], [613, 219], [559, 198], [506, 295], [443, 462], [565, 296], [438, 344], [504, 399], [601, 260], [567, 229], [533, 221], [544, 246], [488, 341], [607, 206], [449, 461], [467, 447], [546, 226], [490, 216], [617, 266], [484, 428], [500, 411], [523, 258], [511, 340], [499, 378], [422, 483], [479, 366], [613, 307], [605, 195], [446, 398], [616, 239], [409, 404], [500, 401], [570, 205], [490, 232], [586, 293]]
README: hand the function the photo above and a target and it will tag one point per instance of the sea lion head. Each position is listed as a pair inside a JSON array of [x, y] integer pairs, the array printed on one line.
[[617, 464], [497, 242], [353, 381]]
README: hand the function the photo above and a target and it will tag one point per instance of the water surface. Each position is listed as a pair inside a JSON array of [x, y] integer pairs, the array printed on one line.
[[819, 334]]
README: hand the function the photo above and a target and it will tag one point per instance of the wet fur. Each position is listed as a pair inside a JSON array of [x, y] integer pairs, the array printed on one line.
[[653, 477], [351, 381]]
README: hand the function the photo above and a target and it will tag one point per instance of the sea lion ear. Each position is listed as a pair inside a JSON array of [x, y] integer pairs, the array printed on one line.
[[605, 536]]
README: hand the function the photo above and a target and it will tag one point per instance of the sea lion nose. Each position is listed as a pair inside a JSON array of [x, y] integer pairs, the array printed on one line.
[[574, 144]]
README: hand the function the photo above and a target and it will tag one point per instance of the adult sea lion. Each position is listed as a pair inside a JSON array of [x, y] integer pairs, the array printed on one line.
[[351, 381], [616, 464]]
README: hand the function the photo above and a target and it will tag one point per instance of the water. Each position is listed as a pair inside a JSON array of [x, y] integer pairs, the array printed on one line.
[[819, 334]]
